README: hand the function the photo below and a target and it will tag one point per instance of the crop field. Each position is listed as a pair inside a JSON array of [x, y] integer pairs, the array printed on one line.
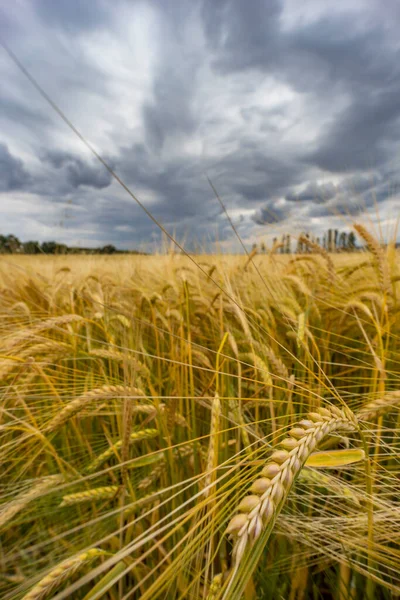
[[203, 427]]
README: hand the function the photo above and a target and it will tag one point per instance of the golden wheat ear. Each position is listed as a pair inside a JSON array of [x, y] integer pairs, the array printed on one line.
[[258, 511], [377, 251], [61, 573]]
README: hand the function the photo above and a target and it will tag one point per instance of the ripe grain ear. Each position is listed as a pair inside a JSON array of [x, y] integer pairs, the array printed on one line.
[[262, 510]]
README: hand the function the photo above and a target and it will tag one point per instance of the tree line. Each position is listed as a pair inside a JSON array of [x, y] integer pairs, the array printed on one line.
[[10, 244], [332, 241]]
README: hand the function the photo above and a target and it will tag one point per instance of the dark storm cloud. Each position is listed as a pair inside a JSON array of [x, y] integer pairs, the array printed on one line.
[[334, 48], [13, 175], [77, 172], [270, 214], [363, 135], [258, 172], [182, 191], [353, 196], [342, 206], [357, 194], [169, 112], [333, 54], [313, 193]]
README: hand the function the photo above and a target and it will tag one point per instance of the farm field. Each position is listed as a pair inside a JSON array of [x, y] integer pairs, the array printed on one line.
[[160, 419]]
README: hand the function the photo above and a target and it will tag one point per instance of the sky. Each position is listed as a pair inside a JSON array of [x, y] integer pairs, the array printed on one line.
[[290, 108]]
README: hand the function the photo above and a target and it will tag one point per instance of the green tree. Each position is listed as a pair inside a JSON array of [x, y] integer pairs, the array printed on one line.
[[299, 248], [329, 240], [49, 247], [3, 240], [335, 240], [108, 249], [10, 244], [343, 240], [351, 241], [31, 247]]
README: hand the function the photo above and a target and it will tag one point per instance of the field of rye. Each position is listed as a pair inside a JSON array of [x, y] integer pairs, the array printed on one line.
[[214, 428]]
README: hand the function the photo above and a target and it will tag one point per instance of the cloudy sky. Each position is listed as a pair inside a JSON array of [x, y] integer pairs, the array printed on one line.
[[291, 108]]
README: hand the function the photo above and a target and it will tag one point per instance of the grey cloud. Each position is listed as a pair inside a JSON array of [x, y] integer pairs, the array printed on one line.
[[269, 214], [333, 48], [314, 193], [78, 172], [12, 111], [352, 200], [72, 14], [352, 196], [331, 56], [245, 36], [169, 113], [245, 178], [363, 135], [13, 175], [342, 52]]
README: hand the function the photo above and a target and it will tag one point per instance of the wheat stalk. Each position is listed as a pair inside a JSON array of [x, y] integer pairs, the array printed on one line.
[[75, 406], [259, 366], [215, 587], [143, 501], [376, 249], [379, 406], [120, 357], [135, 436], [319, 250], [178, 418], [19, 336], [181, 452], [212, 458], [42, 485], [250, 257], [268, 493], [62, 572], [100, 493]]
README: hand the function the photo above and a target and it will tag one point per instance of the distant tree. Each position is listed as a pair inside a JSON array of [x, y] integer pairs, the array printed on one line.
[[306, 247], [288, 244], [49, 247], [10, 244], [343, 240], [31, 247], [335, 240], [263, 248], [300, 247], [351, 241], [108, 249], [329, 240], [324, 241], [3, 240]]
